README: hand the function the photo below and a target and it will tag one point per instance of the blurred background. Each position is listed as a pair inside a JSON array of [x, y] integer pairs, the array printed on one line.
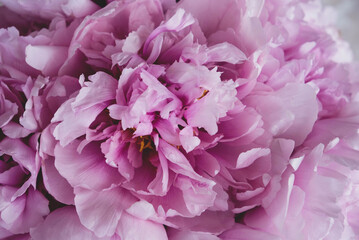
[[347, 21]]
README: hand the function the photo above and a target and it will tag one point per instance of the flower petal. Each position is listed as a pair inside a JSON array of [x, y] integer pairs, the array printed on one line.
[[62, 224], [101, 211], [79, 169], [128, 228]]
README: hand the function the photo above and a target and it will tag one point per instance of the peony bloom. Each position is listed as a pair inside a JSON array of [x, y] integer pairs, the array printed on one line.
[[28, 102], [22, 206], [149, 119]]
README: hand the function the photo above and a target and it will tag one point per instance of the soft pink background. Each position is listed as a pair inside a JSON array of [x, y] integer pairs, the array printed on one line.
[[347, 21]]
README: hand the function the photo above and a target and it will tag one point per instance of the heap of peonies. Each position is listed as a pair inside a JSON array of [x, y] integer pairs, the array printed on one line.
[[164, 119]]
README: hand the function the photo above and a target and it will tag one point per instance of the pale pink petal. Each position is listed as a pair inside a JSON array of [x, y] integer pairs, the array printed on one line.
[[188, 141], [15, 130], [99, 90], [96, 208], [225, 52], [301, 101], [179, 235], [47, 59], [62, 224], [198, 196], [51, 9], [177, 22], [74, 124], [245, 159], [242, 232], [25, 212], [131, 227], [79, 169]]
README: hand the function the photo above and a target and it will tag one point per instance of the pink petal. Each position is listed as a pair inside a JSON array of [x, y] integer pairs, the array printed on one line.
[[128, 228], [25, 212], [177, 22], [188, 141], [225, 52], [214, 222], [175, 234], [202, 114], [15, 130], [198, 196], [159, 185], [101, 211], [207, 162], [62, 224], [116, 154], [51, 9], [102, 88], [21, 153], [74, 125], [12, 176], [245, 159], [8, 112], [55, 184], [79, 169], [301, 101], [47, 59], [242, 232]]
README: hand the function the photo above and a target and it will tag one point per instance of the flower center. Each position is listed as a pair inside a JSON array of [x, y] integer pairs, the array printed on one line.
[[145, 142], [203, 94]]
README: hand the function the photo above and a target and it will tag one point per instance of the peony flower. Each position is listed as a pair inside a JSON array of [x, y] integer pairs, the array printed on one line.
[[22, 206], [153, 119], [28, 102]]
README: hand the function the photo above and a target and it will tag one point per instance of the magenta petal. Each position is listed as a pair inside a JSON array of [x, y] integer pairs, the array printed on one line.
[[207, 163], [12, 176], [55, 184]]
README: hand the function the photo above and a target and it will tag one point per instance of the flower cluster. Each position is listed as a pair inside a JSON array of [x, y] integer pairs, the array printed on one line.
[[164, 119]]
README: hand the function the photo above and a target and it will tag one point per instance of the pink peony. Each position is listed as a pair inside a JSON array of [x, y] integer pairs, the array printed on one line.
[[151, 119]]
